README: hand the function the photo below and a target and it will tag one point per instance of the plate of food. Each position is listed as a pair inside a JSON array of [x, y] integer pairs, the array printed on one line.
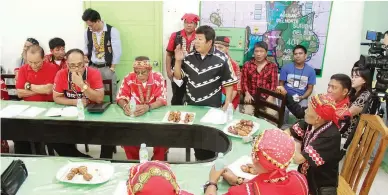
[[241, 128], [179, 117], [243, 167], [85, 173]]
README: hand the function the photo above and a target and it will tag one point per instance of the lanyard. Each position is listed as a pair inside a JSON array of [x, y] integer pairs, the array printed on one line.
[[300, 78]]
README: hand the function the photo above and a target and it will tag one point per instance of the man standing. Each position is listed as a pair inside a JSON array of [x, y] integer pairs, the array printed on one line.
[[57, 56], [78, 81], [35, 83], [185, 38], [102, 46], [207, 70], [298, 78], [222, 43], [149, 90]]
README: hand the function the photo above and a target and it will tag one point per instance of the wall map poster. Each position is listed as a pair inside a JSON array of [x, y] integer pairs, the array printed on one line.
[[282, 24]]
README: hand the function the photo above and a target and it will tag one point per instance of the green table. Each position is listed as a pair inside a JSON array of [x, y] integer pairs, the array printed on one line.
[[191, 177]]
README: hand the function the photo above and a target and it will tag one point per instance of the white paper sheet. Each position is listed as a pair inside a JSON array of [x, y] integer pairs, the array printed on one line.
[[178, 82], [70, 111], [32, 112], [54, 112], [121, 188], [12, 110], [214, 116]]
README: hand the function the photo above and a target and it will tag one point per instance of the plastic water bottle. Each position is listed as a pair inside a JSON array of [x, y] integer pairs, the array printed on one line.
[[132, 106], [220, 162], [81, 109], [229, 113], [143, 153]]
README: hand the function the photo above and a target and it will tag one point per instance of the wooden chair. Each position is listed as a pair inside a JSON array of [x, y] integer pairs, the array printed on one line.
[[370, 128], [11, 86], [260, 105]]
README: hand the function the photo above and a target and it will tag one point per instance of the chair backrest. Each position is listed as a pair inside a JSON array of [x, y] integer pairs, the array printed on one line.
[[109, 91], [370, 129], [261, 104], [10, 86]]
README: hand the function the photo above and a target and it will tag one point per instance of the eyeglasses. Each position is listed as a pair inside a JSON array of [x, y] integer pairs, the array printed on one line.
[[144, 72], [75, 66]]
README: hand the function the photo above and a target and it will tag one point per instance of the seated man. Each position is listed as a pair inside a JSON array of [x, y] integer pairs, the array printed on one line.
[[78, 81], [34, 83], [222, 43], [149, 90], [272, 152], [161, 180], [57, 56], [298, 78], [318, 145]]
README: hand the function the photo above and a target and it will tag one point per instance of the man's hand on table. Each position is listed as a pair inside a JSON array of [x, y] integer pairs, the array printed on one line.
[[214, 175], [230, 177], [225, 106], [141, 109], [127, 110]]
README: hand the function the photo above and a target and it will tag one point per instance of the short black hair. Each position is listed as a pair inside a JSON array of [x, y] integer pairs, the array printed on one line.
[[142, 58], [56, 42], [33, 41], [261, 44], [37, 47], [300, 47], [74, 51], [210, 34], [344, 80], [91, 15], [386, 33]]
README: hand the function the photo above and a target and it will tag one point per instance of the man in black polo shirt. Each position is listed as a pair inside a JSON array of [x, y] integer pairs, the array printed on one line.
[[207, 70]]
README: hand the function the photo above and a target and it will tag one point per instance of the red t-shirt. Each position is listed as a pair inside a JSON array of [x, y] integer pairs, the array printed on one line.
[[44, 76], [61, 65], [63, 84], [171, 42]]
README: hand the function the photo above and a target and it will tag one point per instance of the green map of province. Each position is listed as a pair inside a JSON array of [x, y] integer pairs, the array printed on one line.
[[295, 30]]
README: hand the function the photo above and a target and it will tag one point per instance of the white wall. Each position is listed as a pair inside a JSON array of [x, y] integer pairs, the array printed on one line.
[[62, 18]]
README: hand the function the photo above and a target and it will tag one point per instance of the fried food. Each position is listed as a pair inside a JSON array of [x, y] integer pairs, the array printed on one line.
[[82, 170], [87, 177], [249, 168], [174, 116], [243, 128], [189, 117]]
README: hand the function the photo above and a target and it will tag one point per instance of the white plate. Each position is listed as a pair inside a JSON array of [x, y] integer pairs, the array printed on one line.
[[234, 122], [235, 167], [101, 172], [183, 114]]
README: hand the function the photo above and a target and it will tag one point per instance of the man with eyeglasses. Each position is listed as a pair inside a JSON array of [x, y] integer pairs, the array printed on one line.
[[148, 88], [77, 81], [297, 79]]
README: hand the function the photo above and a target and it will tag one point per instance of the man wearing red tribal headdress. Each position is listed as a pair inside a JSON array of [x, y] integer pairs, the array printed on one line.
[[318, 145], [271, 154], [153, 178], [149, 90], [185, 38]]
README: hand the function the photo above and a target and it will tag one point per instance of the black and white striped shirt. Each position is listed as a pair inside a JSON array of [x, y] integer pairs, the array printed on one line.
[[206, 76]]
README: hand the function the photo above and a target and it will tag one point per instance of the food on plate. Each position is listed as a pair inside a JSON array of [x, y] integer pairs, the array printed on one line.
[[174, 116], [82, 170], [249, 168], [242, 128], [189, 118]]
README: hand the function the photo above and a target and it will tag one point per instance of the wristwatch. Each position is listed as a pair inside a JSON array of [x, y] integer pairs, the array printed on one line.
[[207, 184], [240, 180], [84, 88], [27, 86]]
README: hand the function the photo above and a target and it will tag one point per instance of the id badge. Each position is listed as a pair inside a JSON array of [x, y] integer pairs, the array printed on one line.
[[296, 84]]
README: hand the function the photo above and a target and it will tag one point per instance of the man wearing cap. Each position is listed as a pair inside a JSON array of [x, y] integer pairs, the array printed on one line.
[[185, 38], [57, 56], [222, 43], [318, 144], [148, 88], [102, 46], [271, 154]]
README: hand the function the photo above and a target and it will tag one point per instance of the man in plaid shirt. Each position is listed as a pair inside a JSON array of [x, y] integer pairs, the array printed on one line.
[[258, 72]]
